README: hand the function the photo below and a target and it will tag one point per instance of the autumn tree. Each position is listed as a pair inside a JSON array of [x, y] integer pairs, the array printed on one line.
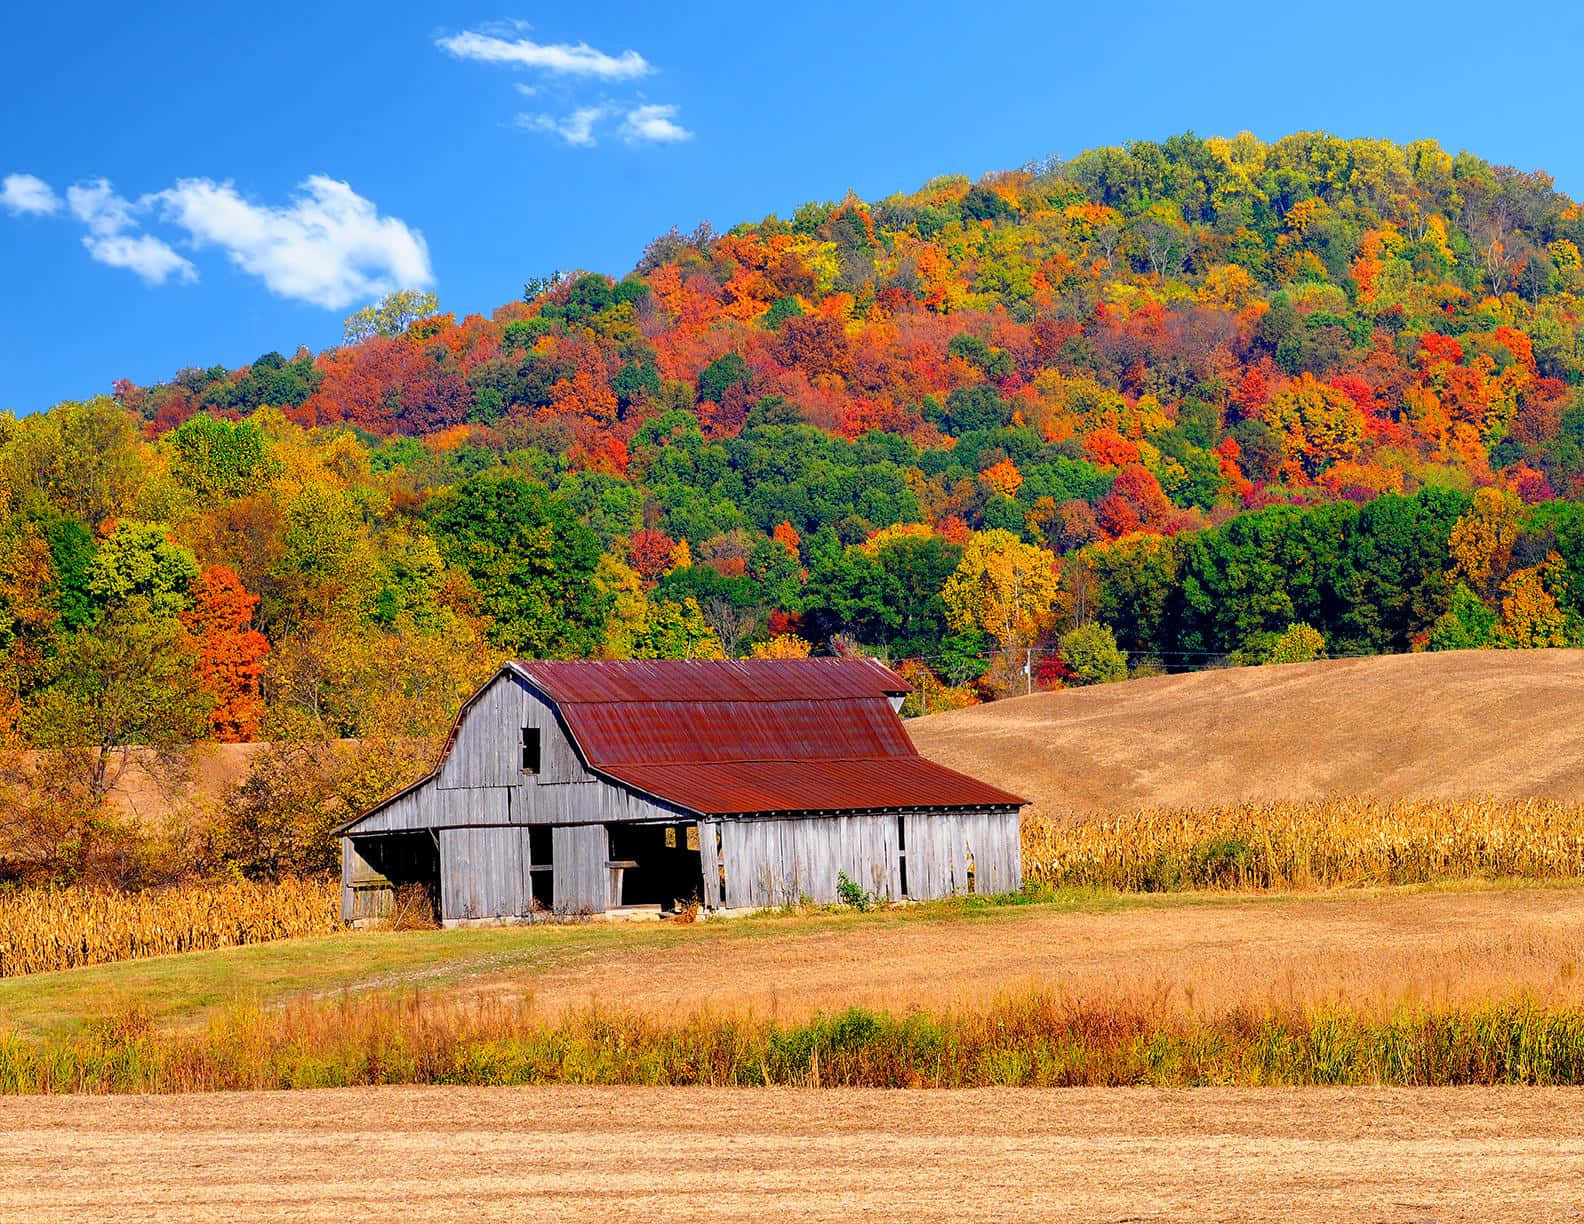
[[1320, 424], [1481, 542], [1004, 587], [230, 653]]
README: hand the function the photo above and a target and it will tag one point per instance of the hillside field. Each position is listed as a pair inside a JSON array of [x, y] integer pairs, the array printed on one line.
[[1449, 725]]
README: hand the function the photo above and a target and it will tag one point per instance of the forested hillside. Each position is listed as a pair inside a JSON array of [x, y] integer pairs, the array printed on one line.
[[1192, 399]]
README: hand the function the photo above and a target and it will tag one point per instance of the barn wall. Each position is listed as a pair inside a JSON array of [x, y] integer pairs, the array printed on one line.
[[481, 782], [941, 848], [483, 873], [779, 862]]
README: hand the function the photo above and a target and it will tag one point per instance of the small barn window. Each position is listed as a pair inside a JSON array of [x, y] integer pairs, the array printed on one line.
[[530, 750]]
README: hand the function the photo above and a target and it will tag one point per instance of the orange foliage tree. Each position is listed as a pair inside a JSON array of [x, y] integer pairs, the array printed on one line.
[[230, 652]]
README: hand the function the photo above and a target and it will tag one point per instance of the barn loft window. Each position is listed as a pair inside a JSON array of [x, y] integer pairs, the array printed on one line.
[[530, 750]]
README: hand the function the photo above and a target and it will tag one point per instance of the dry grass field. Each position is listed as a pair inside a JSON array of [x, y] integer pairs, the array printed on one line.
[[1453, 725], [659, 1155]]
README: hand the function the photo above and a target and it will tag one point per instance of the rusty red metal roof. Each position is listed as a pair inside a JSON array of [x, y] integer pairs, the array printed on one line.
[[738, 737], [720, 788], [700, 680]]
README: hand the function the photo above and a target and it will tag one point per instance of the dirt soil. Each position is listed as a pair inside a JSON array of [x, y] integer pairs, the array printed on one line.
[[760, 1154], [1376, 948], [1458, 724]]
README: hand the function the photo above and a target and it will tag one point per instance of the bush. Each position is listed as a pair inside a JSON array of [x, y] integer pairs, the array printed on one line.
[[1092, 656], [850, 892], [1299, 643]]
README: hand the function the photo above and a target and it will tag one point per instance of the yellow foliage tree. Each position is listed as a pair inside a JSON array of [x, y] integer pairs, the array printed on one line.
[[1003, 586], [1481, 542], [1320, 424], [782, 646], [1003, 477], [1531, 617]]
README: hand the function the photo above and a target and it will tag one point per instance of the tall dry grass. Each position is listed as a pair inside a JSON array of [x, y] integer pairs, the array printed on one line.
[[1327, 844], [1033, 1040], [42, 929]]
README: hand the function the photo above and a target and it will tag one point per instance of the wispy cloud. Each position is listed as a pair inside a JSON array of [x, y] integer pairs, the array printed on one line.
[[653, 125], [329, 246], [28, 195], [562, 59], [112, 238], [576, 129], [577, 111], [646, 124]]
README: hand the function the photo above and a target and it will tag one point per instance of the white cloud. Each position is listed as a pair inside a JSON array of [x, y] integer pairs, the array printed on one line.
[[653, 124], [28, 194], [111, 238], [562, 59], [576, 128], [329, 246]]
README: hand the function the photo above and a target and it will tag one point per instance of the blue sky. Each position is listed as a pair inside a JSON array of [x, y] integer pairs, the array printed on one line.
[[244, 178]]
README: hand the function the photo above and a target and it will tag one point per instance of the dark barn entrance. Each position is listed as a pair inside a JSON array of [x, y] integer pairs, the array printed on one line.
[[655, 864], [410, 863]]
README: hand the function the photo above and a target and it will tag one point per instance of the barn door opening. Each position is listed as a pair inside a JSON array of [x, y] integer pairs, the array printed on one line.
[[655, 864], [902, 885], [406, 870]]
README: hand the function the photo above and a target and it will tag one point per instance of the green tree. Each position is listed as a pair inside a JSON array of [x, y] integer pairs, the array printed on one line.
[[125, 687], [1469, 624], [139, 560], [219, 459], [532, 562], [1092, 655], [390, 316]]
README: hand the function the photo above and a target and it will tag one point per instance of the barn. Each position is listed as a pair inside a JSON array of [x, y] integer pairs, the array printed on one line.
[[587, 787]]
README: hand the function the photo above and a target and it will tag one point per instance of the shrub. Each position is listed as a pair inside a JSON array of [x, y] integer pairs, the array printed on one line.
[[1092, 656]]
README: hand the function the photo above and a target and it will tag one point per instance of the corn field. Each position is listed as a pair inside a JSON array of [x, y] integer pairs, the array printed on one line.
[[46, 929], [1326, 844]]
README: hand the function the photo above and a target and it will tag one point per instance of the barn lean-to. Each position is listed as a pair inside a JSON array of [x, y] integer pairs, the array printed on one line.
[[587, 787]]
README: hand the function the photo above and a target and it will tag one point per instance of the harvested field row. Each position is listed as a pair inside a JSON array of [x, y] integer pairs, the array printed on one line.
[[708, 1154]]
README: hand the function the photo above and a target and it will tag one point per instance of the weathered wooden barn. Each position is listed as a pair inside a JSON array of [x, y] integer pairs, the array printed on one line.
[[583, 787]]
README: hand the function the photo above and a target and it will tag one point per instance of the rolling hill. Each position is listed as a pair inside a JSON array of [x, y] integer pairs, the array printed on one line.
[[1460, 723]]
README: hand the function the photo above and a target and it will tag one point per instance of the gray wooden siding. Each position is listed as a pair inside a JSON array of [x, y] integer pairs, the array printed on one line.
[[482, 873], [779, 862], [940, 846], [487, 751], [582, 881], [481, 780]]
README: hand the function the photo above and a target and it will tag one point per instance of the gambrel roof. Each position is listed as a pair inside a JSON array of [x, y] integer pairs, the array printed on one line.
[[741, 737], [752, 736]]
